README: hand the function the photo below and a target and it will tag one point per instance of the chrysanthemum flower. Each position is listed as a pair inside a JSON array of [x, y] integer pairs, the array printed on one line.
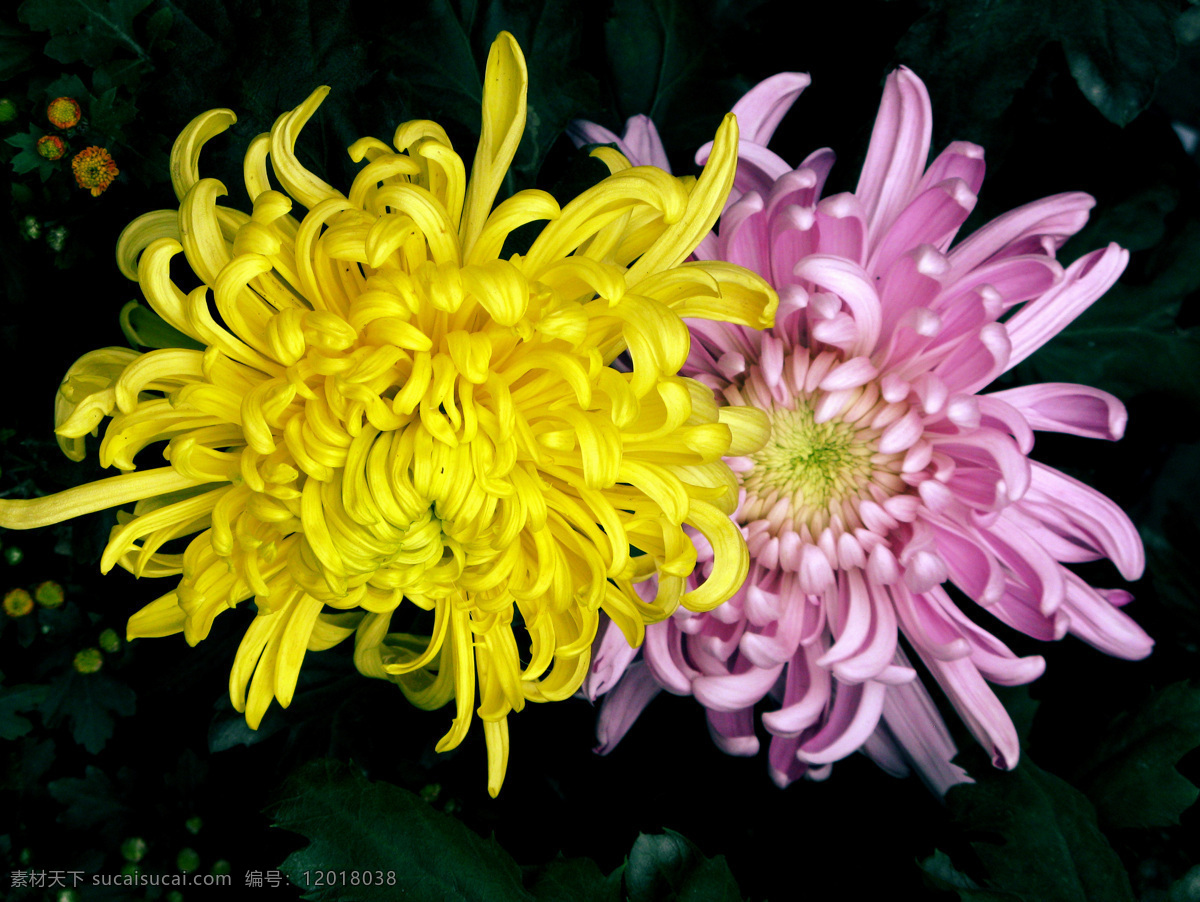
[[888, 474], [63, 112], [94, 169], [393, 417]]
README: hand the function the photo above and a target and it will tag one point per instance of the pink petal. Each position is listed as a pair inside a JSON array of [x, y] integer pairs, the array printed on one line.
[[663, 654], [1096, 621], [898, 150], [979, 709], [856, 711], [611, 655], [733, 732], [1057, 218], [1085, 281], [1073, 409], [806, 694], [737, 690], [960, 160], [1106, 527], [855, 287], [622, 706], [761, 109], [932, 217]]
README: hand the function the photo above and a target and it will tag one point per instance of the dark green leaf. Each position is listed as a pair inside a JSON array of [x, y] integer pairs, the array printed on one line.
[[940, 873], [1131, 777], [577, 879], [1117, 51], [29, 160], [90, 31], [440, 75], [980, 54], [651, 52], [1036, 836], [90, 801], [16, 51], [110, 113], [22, 697], [88, 701], [354, 824], [669, 866]]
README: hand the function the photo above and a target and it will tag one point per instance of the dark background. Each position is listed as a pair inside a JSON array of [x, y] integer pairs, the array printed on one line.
[[1066, 95]]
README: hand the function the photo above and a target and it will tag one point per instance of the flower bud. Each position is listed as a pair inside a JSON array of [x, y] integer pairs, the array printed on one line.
[[17, 603], [49, 594], [90, 660], [63, 112], [51, 147]]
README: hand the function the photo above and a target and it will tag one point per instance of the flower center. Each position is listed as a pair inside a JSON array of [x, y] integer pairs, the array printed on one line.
[[812, 466], [830, 451]]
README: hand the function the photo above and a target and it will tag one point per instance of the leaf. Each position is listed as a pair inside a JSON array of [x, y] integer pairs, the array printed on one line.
[[669, 866], [354, 824], [440, 76], [577, 879], [89, 702], [1036, 836], [90, 801], [22, 697], [1117, 50], [1131, 777], [29, 160], [650, 53], [980, 54], [940, 873], [16, 52], [90, 31]]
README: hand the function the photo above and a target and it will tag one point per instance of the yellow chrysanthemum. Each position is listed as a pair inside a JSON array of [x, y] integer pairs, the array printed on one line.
[[389, 416]]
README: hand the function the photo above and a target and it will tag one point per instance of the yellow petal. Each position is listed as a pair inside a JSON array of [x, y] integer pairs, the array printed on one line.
[[703, 207], [505, 82]]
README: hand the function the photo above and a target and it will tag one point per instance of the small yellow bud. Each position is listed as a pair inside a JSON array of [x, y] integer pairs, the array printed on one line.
[[48, 594], [89, 660]]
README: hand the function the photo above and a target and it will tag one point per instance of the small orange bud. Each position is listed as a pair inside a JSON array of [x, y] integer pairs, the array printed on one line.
[[17, 603], [63, 112], [51, 147]]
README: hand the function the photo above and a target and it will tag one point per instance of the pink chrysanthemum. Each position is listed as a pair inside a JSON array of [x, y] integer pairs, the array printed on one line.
[[887, 473]]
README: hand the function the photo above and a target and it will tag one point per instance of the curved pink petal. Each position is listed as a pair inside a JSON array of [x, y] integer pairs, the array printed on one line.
[[622, 706], [1097, 518], [1095, 620], [979, 708], [856, 711], [1085, 281], [1054, 218], [761, 109], [898, 150], [1066, 407], [611, 655], [733, 731]]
